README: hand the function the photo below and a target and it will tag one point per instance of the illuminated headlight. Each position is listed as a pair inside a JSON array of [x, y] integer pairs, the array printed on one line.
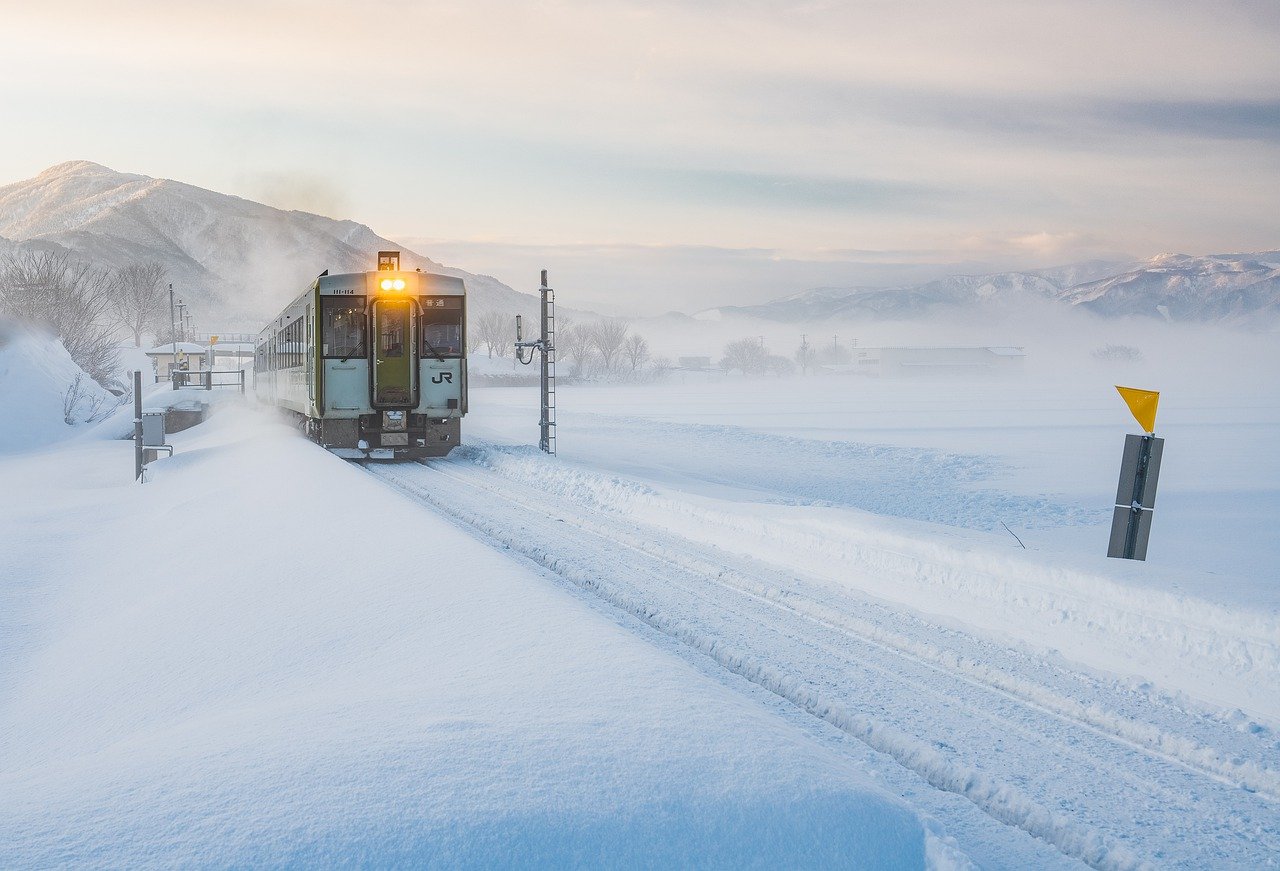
[[387, 284], [398, 284], [393, 421]]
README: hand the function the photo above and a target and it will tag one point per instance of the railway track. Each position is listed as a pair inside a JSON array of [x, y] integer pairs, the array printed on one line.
[[1030, 764]]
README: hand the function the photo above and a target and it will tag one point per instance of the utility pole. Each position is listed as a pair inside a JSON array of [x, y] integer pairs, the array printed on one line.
[[173, 333], [137, 427], [546, 345]]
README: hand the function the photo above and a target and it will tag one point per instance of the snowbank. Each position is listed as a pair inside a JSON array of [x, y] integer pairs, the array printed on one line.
[[284, 684], [36, 373]]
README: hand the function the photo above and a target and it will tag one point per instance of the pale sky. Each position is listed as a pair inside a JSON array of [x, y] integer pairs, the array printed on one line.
[[761, 147]]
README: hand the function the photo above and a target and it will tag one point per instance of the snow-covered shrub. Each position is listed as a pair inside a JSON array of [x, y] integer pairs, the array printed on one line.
[[1118, 353]]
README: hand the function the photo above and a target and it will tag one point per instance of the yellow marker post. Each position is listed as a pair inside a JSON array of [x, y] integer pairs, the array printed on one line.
[[1139, 472], [213, 340], [1142, 403]]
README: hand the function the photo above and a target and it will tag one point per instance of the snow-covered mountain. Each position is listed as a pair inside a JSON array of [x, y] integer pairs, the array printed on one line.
[[234, 261], [1229, 288], [1236, 289]]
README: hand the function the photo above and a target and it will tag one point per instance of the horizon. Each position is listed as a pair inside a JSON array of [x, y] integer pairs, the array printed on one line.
[[529, 257]]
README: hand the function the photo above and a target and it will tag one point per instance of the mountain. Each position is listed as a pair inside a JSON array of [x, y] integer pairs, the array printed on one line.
[[233, 261], [1225, 288], [1233, 289]]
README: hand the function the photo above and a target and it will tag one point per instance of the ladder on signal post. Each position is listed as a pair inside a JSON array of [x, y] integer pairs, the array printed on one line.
[[547, 422], [545, 345]]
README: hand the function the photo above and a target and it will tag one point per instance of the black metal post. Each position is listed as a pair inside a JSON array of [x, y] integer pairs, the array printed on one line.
[[137, 426], [544, 441], [173, 334], [1135, 512]]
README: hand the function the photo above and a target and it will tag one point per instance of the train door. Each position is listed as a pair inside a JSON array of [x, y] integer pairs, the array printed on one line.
[[309, 349], [395, 383]]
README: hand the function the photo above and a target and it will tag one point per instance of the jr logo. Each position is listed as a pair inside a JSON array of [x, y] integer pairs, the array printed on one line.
[[442, 377]]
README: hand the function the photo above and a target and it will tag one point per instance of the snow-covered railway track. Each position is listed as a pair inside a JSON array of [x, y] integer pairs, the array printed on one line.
[[970, 719]]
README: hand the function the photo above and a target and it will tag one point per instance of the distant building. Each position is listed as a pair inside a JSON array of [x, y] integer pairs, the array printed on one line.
[[906, 362], [698, 364], [162, 357]]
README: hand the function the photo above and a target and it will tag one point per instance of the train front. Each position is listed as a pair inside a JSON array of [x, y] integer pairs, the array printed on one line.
[[393, 375]]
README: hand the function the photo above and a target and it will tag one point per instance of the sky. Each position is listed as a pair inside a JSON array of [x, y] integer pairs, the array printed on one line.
[[662, 155]]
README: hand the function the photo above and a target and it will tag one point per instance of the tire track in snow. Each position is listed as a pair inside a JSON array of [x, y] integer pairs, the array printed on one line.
[[1002, 801]]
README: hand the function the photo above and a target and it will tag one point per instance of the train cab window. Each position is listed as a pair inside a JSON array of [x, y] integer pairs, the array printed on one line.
[[342, 324], [442, 326]]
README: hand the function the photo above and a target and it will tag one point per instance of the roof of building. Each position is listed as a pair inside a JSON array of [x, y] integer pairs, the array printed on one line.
[[184, 347]]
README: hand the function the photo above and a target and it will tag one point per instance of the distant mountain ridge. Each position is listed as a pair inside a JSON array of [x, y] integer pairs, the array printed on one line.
[[1232, 289], [234, 261]]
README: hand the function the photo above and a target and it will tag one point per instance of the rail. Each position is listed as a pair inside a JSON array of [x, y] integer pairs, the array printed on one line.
[[205, 378]]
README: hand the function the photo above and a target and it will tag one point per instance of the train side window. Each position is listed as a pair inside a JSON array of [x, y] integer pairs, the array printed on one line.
[[442, 326], [342, 326]]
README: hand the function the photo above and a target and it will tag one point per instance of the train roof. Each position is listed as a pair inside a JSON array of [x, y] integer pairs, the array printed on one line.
[[430, 282]]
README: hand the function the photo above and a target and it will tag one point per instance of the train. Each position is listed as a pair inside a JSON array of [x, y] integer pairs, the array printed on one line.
[[371, 365]]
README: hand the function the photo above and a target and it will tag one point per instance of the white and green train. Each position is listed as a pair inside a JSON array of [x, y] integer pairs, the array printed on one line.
[[372, 363]]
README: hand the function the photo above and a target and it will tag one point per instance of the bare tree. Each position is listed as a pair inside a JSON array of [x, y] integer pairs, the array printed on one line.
[[747, 355], [67, 297], [83, 405], [474, 341], [573, 345], [636, 350], [607, 337], [138, 297], [497, 331]]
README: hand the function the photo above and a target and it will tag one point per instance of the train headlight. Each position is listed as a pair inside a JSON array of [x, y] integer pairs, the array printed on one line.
[[392, 284], [386, 284]]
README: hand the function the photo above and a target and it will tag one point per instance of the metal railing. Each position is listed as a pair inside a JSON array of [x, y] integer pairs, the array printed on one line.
[[208, 379]]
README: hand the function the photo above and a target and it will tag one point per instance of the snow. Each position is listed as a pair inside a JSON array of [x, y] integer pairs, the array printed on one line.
[[237, 261], [734, 622], [260, 687], [35, 374], [190, 348]]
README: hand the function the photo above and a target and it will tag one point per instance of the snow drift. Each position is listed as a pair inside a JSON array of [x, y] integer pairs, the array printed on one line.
[[43, 393], [315, 701]]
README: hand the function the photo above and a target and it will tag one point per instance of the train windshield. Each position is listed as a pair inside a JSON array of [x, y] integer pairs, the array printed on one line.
[[442, 326], [343, 326]]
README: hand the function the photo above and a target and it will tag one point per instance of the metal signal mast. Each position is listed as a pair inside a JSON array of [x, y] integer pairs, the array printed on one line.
[[546, 345]]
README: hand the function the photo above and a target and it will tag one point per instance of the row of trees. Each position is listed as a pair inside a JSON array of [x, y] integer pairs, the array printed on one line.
[[82, 305], [605, 347], [751, 357]]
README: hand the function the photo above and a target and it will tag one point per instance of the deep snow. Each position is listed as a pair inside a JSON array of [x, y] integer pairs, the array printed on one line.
[[261, 657], [36, 373], [710, 568]]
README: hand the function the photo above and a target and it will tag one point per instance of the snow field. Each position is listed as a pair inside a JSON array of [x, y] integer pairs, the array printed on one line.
[[869, 675], [260, 657], [1225, 656]]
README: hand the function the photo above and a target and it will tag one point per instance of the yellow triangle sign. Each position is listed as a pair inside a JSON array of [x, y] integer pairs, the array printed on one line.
[[1143, 405]]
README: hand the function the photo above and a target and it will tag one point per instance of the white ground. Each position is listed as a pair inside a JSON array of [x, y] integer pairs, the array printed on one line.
[[214, 669], [774, 622]]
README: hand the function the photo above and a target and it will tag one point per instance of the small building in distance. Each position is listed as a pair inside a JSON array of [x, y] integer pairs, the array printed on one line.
[[162, 357], [697, 364], [908, 362]]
